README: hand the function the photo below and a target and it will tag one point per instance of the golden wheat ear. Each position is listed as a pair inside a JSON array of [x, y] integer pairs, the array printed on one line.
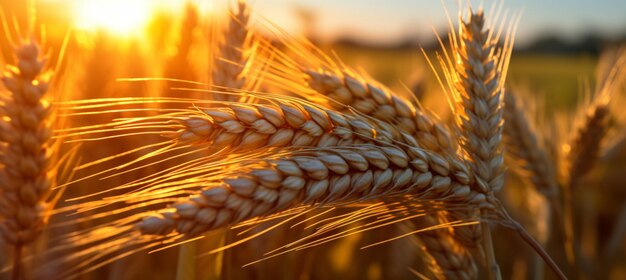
[[266, 185], [445, 256], [526, 150], [591, 126], [26, 167], [581, 147], [234, 52], [302, 69], [474, 75], [317, 77]]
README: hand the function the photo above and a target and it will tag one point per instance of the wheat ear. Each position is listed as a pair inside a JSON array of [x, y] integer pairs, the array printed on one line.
[[525, 148], [446, 257], [478, 91], [476, 83], [233, 54], [527, 153], [584, 147], [414, 126], [326, 177], [324, 80], [25, 133], [370, 98], [247, 127], [291, 124], [582, 150], [592, 123]]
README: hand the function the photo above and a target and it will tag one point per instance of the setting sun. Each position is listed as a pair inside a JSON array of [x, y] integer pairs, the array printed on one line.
[[118, 16]]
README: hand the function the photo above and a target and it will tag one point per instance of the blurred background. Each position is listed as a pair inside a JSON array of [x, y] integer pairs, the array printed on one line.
[[558, 45], [557, 42]]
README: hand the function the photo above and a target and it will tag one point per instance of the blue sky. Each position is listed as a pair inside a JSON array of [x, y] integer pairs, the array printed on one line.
[[389, 20]]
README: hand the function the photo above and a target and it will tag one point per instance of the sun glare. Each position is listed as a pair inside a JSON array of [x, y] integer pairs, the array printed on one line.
[[118, 16]]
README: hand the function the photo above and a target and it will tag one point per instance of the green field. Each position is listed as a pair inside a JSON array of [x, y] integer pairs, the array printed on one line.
[[559, 78]]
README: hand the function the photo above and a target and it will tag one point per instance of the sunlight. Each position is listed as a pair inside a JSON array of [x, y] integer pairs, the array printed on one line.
[[117, 16]]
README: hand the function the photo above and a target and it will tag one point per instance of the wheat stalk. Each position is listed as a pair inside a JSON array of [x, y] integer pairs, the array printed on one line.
[[525, 148], [475, 76], [527, 153], [233, 55], [25, 133], [581, 151], [585, 145]]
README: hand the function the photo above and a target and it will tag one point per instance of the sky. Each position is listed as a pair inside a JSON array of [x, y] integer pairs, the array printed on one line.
[[392, 20]]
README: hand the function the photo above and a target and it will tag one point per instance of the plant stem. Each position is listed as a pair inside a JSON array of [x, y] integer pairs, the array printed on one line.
[[17, 262], [568, 226], [493, 269], [539, 249], [186, 267], [616, 237]]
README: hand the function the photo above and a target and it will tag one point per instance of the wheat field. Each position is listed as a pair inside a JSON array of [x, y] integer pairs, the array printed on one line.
[[223, 147]]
